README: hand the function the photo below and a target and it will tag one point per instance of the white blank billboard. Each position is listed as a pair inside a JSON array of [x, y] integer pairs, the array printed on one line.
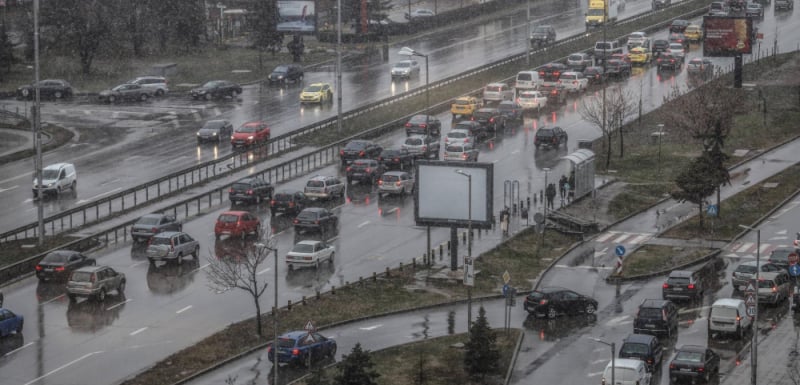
[[441, 194]]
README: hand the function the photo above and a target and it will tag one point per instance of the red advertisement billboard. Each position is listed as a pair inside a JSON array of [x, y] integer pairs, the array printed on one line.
[[727, 36]]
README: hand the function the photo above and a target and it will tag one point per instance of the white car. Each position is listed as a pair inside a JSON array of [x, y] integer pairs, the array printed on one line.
[[156, 83], [573, 81], [458, 136], [395, 182], [497, 92], [420, 13], [532, 100], [405, 69], [309, 253], [636, 39], [677, 50], [627, 371]]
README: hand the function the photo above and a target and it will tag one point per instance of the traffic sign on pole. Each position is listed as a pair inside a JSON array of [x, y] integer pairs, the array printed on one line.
[[505, 290], [619, 250], [750, 300], [506, 277], [794, 270], [712, 210], [792, 258], [751, 311]]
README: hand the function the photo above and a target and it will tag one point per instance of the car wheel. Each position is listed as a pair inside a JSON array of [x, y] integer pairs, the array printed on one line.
[[19, 328], [121, 288], [152, 261], [58, 95], [208, 96], [590, 308], [316, 264], [307, 360], [112, 99], [159, 92], [180, 259], [257, 231], [101, 296], [332, 352], [330, 259], [196, 252], [234, 93], [551, 313], [72, 298], [291, 267], [143, 97]]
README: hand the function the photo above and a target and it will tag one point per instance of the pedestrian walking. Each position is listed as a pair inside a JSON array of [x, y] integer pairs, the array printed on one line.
[[570, 192], [505, 216], [551, 194], [561, 186]]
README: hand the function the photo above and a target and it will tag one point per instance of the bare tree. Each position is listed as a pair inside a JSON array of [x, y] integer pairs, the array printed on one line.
[[237, 268], [609, 114]]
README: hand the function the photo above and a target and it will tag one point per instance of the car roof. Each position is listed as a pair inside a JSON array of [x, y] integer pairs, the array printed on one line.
[[636, 49], [308, 242], [497, 84], [246, 180], [570, 73], [659, 303], [395, 173], [91, 269], [639, 338], [56, 166], [318, 84], [234, 212], [153, 215], [314, 209], [770, 275], [681, 273], [167, 234], [295, 335], [692, 348], [728, 302], [627, 363], [321, 177], [551, 289]]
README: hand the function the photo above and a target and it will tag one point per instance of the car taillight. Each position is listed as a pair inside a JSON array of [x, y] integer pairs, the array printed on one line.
[[491, 120], [230, 191], [348, 169], [649, 360], [154, 230], [59, 268], [316, 222], [341, 152], [464, 156], [295, 352], [291, 204], [556, 74], [424, 148], [250, 192], [691, 286], [701, 369], [423, 125], [665, 286], [543, 302], [362, 153], [296, 221], [93, 278], [408, 124], [38, 268], [380, 182], [518, 100], [541, 74], [472, 118], [466, 140], [396, 159], [272, 202], [774, 289], [398, 183], [671, 365], [367, 170], [269, 350], [575, 82], [663, 315]]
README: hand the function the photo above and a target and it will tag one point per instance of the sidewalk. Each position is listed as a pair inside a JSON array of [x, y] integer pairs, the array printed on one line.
[[778, 358]]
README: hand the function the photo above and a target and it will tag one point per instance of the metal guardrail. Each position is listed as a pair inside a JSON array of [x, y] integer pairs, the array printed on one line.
[[171, 184]]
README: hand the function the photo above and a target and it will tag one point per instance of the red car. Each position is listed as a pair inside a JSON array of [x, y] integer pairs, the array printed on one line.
[[249, 134], [237, 224]]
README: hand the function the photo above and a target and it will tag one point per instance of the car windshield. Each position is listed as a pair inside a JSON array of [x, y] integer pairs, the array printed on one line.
[[120, 87], [240, 186], [527, 76], [746, 269], [414, 141], [160, 241], [595, 12], [682, 281], [213, 125], [283, 197], [636, 36], [56, 258], [780, 255], [390, 153], [81, 276], [212, 84], [355, 146], [455, 148], [724, 312], [285, 342], [312, 89], [493, 88], [315, 183], [148, 221], [536, 296], [247, 128], [303, 248], [49, 174], [540, 30], [403, 64], [228, 218], [457, 134], [419, 119], [462, 102], [689, 356], [650, 312], [631, 348], [676, 47], [506, 107], [544, 132], [390, 178], [765, 284], [528, 95], [575, 57], [281, 69], [482, 114], [307, 215]]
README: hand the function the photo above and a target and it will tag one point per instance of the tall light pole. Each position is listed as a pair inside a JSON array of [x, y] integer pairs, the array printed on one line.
[[528, 44], [406, 51], [468, 260], [754, 344], [546, 203], [613, 353], [272, 245], [339, 66], [660, 134], [37, 121]]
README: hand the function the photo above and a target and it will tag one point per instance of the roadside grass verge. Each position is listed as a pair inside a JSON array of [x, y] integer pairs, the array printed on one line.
[[650, 258], [438, 360]]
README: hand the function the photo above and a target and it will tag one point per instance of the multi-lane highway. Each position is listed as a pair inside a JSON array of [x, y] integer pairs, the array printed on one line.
[[167, 308]]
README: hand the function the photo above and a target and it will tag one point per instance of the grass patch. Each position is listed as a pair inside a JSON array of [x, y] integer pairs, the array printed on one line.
[[58, 137], [636, 197], [442, 362], [745, 208], [650, 258]]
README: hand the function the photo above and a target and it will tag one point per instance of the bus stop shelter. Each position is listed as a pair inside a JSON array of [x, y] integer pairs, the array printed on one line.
[[581, 172]]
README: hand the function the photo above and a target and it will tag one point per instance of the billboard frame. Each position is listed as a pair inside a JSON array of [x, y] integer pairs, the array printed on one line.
[[482, 191], [722, 41], [297, 26]]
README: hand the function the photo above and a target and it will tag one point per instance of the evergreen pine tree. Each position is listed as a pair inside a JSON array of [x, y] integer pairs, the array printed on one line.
[[356, 368], [481, 357]]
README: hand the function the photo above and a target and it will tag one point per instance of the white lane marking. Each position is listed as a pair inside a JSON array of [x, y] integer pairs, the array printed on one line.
[[263, 271], [54, 299], [18, 349], [137, 264], [515, 152], [110, 182], [744, 247], [605, 236], [176, 158], [373, 327], [200, 268], [601, 360], [135, 332], [583, 267], [595, 374], [392, 210], [784, 211], [100, 195], [120, 304], [7, 189], [363, 224], [183, 310], [85, 356]]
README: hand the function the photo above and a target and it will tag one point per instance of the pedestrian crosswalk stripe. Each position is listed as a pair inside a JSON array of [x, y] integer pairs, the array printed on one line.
[[618, 237], [604, 237]]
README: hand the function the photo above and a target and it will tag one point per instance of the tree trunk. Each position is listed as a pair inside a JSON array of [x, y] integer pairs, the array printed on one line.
[[608, 150], [621, 143], [700, 206], [719, 206], [258, 316]]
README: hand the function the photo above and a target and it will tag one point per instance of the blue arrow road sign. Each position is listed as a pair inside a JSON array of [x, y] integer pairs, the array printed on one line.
[[619, 250], [505, 290], [712, 210], [794, 270]]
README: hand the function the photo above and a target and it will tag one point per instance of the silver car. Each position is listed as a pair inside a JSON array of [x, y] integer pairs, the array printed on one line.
[[405, 69], [172, 245], [395, 182], [422, 146], [94, 282], [497, 92], [461, 152]]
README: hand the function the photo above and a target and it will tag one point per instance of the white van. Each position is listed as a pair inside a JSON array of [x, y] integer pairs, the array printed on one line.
[[527, 80], [56, 178], [627, 371], [729, 316]]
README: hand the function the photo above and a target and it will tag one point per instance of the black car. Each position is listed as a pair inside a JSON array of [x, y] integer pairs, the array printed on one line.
[[364, 171], [643, 347], [595, 74], [678, 25], [551, 71], [424, 125], [151, 224], [49, 88], [543, 35], [556, 94], [288, 202], [511, 111], [216, 89], [250, 190], [60, 264], [554, 301], [660, 46], [396, 159], [693, 363], [215, 131], [683, 284], [656, 317], [283, 74], [359, 149], [550, 137], [618, 68], [490, 118], [667, 61], [315, 219], [780, 256]]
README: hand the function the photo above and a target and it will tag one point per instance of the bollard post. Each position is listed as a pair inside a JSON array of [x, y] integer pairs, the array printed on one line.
[[464, 238], [414, 264], [448, 247], [289, 305], [304, 301], [387, 271], [333, 289], [318, 295], [441, 251], [360, 281], [374, 277], [401, 266]]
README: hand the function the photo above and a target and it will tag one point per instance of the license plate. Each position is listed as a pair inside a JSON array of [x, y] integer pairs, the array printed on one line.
[[686, 370], [649, 325], [742, 287], [357, 174], [48, 270], [678, 289]]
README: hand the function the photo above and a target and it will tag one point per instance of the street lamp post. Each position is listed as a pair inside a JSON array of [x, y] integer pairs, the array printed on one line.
[[613, 353], [339, 66], [37, 122], [468, 266], [660, 134], [528, 44], [406, 51], [754, 344], [272, 246]]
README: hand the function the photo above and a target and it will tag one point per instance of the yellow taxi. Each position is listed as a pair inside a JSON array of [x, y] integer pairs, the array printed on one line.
[[693, 32], [317, 93], [640, 55], [464, 106]]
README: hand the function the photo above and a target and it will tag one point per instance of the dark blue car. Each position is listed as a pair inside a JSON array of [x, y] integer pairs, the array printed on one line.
[[303, 348], [10, 322]]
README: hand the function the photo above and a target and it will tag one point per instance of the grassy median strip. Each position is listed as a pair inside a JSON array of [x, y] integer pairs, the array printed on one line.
[[650, 258]]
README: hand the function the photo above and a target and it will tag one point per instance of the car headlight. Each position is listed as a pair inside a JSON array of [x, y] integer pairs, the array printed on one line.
[[198, 133], [280, 77], [214, 133], [250, 137], [201, 91], [50, 184]]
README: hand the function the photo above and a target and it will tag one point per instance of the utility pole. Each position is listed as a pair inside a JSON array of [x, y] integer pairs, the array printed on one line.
[[37, 121]]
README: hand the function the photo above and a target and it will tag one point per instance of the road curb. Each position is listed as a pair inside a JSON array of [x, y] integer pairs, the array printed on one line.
[[513, 361]]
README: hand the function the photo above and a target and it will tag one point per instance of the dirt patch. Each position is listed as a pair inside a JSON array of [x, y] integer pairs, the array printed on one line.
[[597, 208]]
